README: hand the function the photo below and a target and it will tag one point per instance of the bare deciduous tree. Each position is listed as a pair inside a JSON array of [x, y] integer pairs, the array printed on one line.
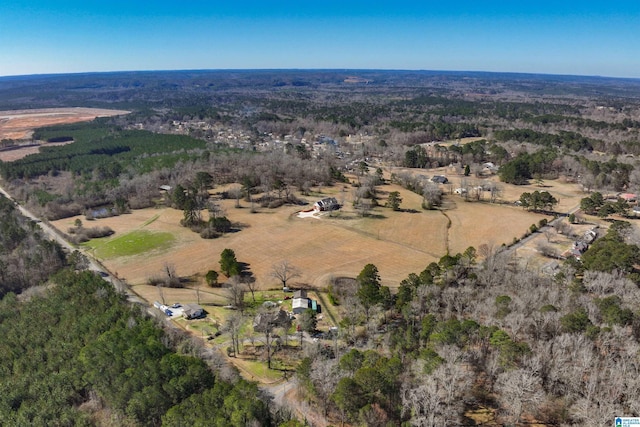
[[432, 195], [216, 210], [235, 293], [325, 376], [284, 271], [549, 234], [233, 325], [563, 228], [171, 277], [547, 250], [519, 390], [251, 284]]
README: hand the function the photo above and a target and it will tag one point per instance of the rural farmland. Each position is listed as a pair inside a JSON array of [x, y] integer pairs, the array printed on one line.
[[337, 244]]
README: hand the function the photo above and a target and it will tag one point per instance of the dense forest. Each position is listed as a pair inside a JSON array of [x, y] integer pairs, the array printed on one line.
[[26, 257], [469, 333]]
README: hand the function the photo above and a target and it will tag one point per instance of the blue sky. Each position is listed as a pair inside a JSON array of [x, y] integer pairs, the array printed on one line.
[[560, 37]]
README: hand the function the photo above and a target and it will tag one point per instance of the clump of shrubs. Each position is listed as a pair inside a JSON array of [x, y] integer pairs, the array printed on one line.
[[209, 233], [215, 228], [80, 234]]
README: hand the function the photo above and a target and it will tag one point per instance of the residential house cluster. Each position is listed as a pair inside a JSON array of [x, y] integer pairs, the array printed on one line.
[[581, 245]]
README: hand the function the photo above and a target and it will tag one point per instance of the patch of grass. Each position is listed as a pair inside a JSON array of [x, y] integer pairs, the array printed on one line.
[[132, 243], [257, 371], [205, 328]]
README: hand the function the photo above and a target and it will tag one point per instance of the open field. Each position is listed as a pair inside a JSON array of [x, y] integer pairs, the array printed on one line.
[[335, 244], [19, 125]]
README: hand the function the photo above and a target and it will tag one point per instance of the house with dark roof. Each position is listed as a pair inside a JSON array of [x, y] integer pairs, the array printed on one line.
[[264, 322], [192, 311], [328, 204]]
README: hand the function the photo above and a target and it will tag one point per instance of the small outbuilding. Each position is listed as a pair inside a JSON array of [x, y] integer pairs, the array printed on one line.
[[301, 293]]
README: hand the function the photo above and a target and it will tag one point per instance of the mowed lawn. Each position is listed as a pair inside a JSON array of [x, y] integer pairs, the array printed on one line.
[[132, 243], [341, 244]]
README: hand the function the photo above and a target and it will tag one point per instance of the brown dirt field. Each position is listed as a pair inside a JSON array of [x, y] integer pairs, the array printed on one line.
[[340, 244], [486, 223], [19, 124], [23, 151]]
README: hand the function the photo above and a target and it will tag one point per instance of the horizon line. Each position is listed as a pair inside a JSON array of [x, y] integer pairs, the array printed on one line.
[[416, 70]]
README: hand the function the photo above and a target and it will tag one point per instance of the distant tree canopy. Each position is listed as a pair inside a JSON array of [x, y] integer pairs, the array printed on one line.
[[563, 139], [591, 204], [519, 170], [538, 200]]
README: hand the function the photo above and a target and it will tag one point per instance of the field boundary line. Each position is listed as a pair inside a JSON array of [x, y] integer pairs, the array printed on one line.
[[446, 236]]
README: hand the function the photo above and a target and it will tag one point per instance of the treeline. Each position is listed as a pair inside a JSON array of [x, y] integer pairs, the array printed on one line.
[[438, 130], [624, 125], [563, 139], [27, 258], [548, 163], [569, 140], [437, 156], [79, 351]]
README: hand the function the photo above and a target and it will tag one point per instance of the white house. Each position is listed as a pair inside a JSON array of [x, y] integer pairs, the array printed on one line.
[[299, 305]]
